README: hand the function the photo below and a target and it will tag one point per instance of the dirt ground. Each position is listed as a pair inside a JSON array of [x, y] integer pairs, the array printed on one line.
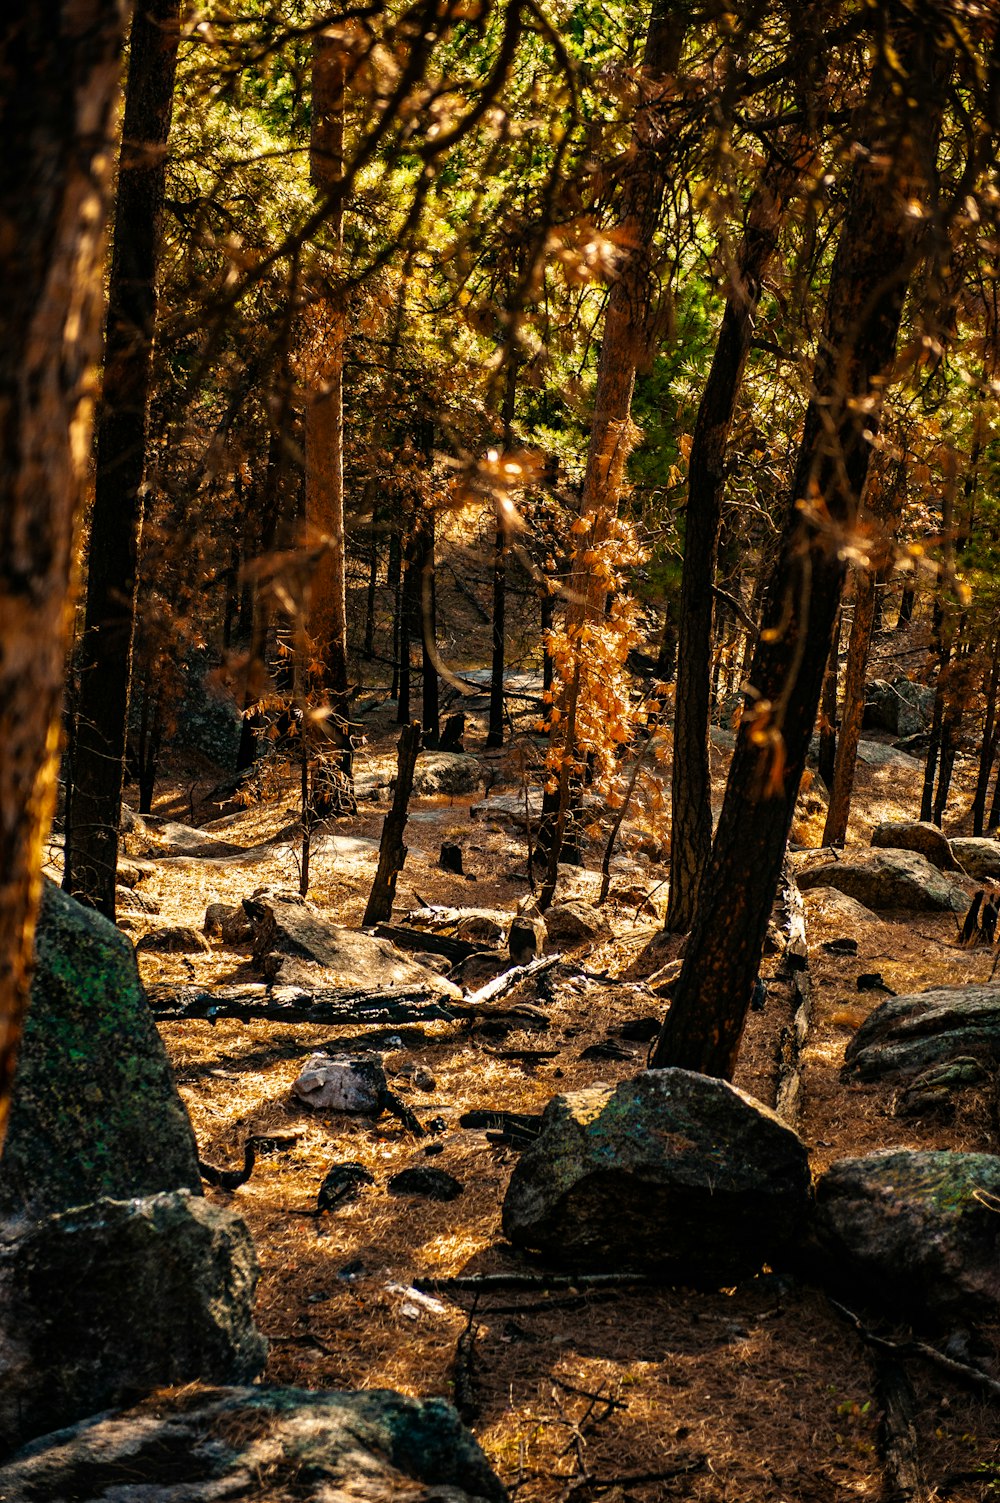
[[757, 1392]]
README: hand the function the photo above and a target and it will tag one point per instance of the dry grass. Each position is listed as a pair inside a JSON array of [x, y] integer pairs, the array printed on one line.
[[756, 1393]]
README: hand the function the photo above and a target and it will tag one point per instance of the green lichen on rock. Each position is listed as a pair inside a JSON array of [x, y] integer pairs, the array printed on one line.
[[95, 1111]]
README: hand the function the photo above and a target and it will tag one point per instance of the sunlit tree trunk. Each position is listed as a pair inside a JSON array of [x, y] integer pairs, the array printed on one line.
[[105, 653], [878, 248], [61, 69]]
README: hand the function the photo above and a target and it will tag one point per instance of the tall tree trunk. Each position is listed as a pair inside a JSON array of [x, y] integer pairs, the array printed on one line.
[[624, 344], [325, 409], [61, 67], [691, 784], [852, 714], [428, 632], [495, 734], [988, 749], [105, 654], [868, 280], [828, 709]]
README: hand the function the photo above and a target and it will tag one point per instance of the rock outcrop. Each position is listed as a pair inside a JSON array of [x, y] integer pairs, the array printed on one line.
[[670, 1172], [119, 1297], [94, 1110]]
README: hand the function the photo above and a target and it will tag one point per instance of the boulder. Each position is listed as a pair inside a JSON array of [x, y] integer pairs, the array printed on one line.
[[671, 1172], [838, 912], [175, 939], [295, 945], [906, 1035], [979, 856], [576, 922], [261, 1445], [230, 923], [914, 1231], [130, 900], [355, 1084], [918, 835], [94, 1110], [446, 772], [888, 879], [117, 1297], [510, 808], [901, 707], [876, 754]]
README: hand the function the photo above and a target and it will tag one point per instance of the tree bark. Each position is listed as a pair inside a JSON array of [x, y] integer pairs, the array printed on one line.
[[105, 655], [392, 851], [691, 787], [877, 249], [494, 736], [852, 714], [61, 67], [987, 751], [828, 710]]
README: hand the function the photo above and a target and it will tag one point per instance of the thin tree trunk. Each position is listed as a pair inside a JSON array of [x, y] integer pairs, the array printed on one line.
[[394, 581], [828, 709], [852, 713], [495, 734], [392, 851], [988, 749], [105, 654], [61, 68], [877, 250], [430, 699]]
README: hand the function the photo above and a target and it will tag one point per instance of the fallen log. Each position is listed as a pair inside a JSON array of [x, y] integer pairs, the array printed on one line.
[[531, 1283], [507, 982], [290, 1004], [408, 938]]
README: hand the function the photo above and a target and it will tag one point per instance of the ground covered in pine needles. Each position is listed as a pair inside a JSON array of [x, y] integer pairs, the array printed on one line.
[[757, 1392]]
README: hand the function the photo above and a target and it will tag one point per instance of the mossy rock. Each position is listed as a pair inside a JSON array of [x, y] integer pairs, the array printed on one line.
[[95, 1111]]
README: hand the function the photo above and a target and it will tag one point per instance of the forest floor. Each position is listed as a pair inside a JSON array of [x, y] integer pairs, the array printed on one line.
[[755, 1392]]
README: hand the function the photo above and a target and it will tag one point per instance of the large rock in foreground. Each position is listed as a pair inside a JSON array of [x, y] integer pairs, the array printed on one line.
[[671, 1173], [94, 1111], [261, 1446], [914, 1231], [116, 1298], [888, 879], [907, 1034]]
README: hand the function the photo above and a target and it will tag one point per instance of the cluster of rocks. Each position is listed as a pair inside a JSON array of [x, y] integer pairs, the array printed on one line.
[[687, 1178]]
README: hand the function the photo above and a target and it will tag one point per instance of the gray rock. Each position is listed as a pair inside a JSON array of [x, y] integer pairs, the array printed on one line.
[[295, 945], [576, 922], [902, 707], [908, 1034], [671, 1172], [918, 835], [510, 808], [261, 1445], [837, 910], [175, 939], [911, 1231], [874, 754], [355, 1084], [94, 1111], [979, 856], [117, 1297], [130, 900], [230, 923], [446, 772], [888, 879]]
